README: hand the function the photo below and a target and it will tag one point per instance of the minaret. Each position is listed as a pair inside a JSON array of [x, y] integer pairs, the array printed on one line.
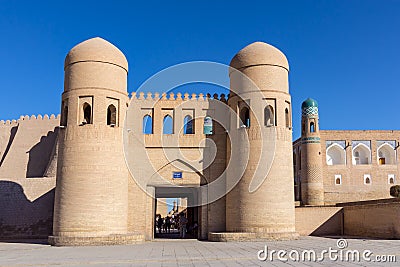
[[261, 204], [91, 200], [312, 187]]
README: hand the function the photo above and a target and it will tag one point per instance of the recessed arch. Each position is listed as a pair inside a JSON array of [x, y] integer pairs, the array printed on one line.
[[335, 155], [179, 164], [111, 115], [312, 127], [168, 125], [361, 155], [287, 118], [386, 155], [64, 116], [188, 126], [269, 117], [87, 113], [391, 179], [147, 124], [245, 116], [208, 125]]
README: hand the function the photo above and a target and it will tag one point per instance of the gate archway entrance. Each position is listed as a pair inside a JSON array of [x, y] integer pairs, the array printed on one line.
[[196, 216]]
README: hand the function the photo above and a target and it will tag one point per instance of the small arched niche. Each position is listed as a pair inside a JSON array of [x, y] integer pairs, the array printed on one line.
[[147, 124], [367, 179], [312, 127], [287, 118], [386, 155], [87, 113], [245, 117], [112, 115], [64, 115], [208, 125], [188, 125], [335, 155], [269, 117], [168, 125], [361, 155]]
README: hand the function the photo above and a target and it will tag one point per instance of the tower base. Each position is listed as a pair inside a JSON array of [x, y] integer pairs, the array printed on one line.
[[246, 236], [96, 240]]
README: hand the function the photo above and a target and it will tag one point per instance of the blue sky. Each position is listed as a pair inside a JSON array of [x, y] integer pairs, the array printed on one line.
[[345, 54]]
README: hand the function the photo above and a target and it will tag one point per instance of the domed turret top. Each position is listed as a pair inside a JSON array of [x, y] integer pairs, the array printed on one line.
[[96, 50], [259, 53], [309, 102]]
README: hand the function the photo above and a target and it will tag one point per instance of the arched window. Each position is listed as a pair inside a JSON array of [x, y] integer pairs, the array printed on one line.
[[188, 125], [361, 155], [168, 125], [245, 117], [367, 180], [391, 179], [147, 124], [386, 155], [287, 118], [64, 120], [87, 114], [338, 179], [312, 127], [335, 155], [111, 115], [208, 125], [269, 118]]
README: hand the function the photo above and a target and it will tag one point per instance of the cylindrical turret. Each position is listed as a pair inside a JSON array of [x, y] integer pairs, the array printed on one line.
[[91, 200], [312, 186], [262, 203]]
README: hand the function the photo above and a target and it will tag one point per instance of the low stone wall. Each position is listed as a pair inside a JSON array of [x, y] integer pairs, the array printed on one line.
[[319, 221], [376, 218]]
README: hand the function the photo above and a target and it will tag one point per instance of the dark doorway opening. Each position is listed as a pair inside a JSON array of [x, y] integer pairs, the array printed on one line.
[[174, 217]]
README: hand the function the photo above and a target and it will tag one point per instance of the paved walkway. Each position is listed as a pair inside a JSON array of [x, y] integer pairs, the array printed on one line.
[[194, 253]]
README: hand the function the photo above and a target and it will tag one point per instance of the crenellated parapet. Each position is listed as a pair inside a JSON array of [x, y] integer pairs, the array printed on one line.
[[29, 118], [178, 96]]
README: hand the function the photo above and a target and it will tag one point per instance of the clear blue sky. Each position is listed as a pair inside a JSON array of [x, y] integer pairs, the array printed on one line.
[[345, 54]]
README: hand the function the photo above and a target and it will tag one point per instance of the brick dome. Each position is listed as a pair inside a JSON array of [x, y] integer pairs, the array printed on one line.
[[96, 50], [259, 53]]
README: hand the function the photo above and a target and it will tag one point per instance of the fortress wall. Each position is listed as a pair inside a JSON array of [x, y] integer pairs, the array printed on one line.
[[27, 176], [376, 219], [319, 221]]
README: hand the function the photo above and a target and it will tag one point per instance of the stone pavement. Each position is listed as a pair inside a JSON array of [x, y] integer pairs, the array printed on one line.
[[192, 253]]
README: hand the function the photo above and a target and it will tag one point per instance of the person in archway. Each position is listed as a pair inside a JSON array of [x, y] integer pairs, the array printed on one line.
[[168, 224], [182, 225], [195, 229], [160, 222]]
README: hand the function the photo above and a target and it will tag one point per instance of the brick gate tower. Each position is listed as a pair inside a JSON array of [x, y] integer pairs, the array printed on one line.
[[260, 96], [91, 200]]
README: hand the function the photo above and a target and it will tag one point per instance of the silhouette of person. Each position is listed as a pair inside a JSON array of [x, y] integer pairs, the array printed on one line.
[[182, 226], [168, 224], [160, 222]]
